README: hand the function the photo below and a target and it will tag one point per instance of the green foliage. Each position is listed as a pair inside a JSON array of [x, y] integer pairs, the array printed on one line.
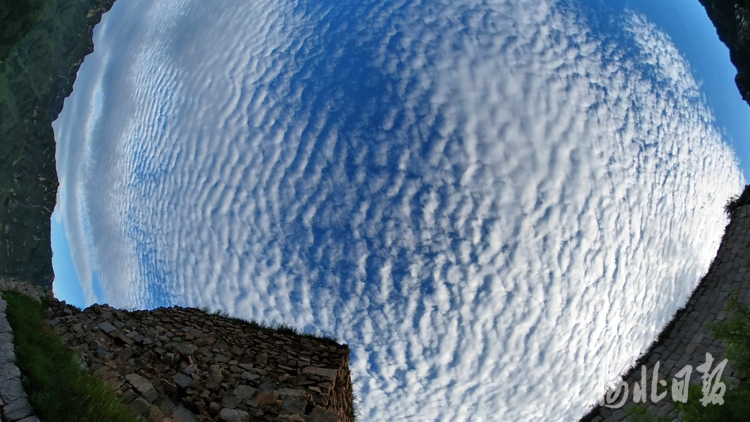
[[58, 389], [356, 413], [17, 17], [736, 333], [736, 407], [281, 328], [735, 202]]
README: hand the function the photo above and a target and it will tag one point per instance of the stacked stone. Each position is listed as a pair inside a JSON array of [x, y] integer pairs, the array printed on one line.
[[14, 405], [182, 364], [34, 291], [690, 339]]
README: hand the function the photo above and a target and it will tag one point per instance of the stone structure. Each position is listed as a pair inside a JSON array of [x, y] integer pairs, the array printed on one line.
[[732, 21], [35, 77], [687, 339], [183, 364], [14, 405]]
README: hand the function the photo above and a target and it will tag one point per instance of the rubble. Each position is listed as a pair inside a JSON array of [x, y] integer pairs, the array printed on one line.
[[183, 364]]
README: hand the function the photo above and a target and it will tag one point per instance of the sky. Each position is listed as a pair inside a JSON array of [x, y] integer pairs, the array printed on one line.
[[496, 204]]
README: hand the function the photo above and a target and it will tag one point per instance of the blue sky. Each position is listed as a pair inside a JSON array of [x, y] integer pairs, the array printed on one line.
[[66, 286], [695, 37], [462, 191], [691, 31]]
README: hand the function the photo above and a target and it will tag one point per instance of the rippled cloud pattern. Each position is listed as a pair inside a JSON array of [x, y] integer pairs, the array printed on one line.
[[497, 204]]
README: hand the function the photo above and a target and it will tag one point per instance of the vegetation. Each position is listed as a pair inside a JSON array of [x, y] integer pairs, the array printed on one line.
[[17, 17], [282, 328], [735, 202], [735, 332], [59, 391], [356, 413], [736, 407]]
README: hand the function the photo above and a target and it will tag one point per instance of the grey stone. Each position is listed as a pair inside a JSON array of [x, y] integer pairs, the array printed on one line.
[[323, 372], [186, 349], [128, 396], [238, 396], [18, 409], [126, 354], [30, 419], [167, 407], [230, 401], [4, 325], [119, 336], [249, 376], [139, 406], [267, 387], [261, 359], [664, 411], [8, 371], [182, 414], [214, 374], [244, 392], [192, 331], [7, 354], [294, 405], [234, 415], [182, 380], [264, 398], [143, 386], [290, 392], [107, 327], [12, 390], [618, 415], [322, 415]]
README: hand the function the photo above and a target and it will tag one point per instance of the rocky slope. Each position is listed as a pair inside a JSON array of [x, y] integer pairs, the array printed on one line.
[[183, 364], [732, 21], [36, 74]]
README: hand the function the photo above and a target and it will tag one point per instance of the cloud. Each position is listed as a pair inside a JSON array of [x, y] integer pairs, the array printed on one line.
[[487, 201]]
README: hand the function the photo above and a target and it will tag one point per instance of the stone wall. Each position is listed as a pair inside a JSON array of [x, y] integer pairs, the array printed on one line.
[[183, 364], [731, 18], [35, 77], [687, 339], [14, 404]]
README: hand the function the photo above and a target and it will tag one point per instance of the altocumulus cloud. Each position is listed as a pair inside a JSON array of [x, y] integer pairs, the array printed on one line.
[[497, 204]]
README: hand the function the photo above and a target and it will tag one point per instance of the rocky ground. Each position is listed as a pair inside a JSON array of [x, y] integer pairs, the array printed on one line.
[[14, 405], [182, 364], [187, 365], [732, 21], [36, 74]]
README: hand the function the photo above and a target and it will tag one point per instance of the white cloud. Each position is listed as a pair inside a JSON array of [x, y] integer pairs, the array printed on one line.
[[487, 201]]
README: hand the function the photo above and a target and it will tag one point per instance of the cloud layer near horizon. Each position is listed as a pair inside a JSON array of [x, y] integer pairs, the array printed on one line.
[[491, 202]]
